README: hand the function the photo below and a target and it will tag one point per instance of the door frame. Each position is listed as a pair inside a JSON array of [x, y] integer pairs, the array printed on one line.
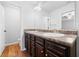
[[13, 6]]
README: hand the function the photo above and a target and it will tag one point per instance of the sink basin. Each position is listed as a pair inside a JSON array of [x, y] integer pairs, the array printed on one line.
[[53, 34]]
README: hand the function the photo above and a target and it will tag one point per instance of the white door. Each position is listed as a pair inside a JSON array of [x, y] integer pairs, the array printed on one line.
[[13, 25], [2, 28]]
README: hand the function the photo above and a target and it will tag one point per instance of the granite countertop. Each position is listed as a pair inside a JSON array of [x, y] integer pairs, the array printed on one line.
[[67, 40]]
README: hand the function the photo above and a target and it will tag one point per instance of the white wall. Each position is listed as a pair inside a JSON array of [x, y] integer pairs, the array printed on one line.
[[28, 22], [2, 28], [31, 19], [56, 16], [77, 25]]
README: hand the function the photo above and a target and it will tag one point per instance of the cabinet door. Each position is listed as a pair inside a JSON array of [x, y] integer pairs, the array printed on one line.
[[29, 45], [26, 41], [33, 51], [39, 50], [32, 48]]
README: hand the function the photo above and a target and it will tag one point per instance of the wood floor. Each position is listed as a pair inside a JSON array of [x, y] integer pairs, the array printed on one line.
[[14, 51]]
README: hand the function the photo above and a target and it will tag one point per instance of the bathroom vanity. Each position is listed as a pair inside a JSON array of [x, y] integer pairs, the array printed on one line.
[[47, 44]]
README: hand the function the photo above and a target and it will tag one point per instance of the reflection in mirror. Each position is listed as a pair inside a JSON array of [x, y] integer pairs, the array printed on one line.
[[68, 20], [62, 18]]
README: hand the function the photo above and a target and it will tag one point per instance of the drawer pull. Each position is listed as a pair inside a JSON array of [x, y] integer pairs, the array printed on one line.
[[46, 54], [41, 51]]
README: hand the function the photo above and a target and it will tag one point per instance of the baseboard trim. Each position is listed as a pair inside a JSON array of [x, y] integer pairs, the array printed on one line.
[[2, 51], [23, 49], [12, 43]]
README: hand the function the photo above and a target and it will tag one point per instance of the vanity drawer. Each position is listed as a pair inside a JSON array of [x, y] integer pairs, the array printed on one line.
[[56, 48], [48, 53], [57, 52], [40, 40]]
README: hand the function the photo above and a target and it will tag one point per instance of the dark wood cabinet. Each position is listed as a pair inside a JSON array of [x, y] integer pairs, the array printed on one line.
[[39, 50], [33, 51], [29, 45], [56, 49], [41, 47], [26, 41], [32, 48], [40, 40]]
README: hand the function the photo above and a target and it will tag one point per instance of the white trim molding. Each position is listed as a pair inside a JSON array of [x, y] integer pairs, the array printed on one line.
[[12, 43]]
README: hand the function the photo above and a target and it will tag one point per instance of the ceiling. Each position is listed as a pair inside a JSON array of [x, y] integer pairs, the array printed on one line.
[[51, 6], [47, 6]]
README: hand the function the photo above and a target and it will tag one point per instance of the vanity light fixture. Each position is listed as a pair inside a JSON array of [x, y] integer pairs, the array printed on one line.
[[69, 15], [38, 7]]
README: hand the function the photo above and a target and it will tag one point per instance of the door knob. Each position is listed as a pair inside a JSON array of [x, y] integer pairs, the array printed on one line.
[[4, 30]]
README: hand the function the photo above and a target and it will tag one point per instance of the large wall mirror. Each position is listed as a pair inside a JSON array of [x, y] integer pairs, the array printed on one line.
[[63, 18]]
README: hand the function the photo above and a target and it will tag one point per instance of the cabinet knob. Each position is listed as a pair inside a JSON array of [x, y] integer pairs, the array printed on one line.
[[46, 54], [41, 51]]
